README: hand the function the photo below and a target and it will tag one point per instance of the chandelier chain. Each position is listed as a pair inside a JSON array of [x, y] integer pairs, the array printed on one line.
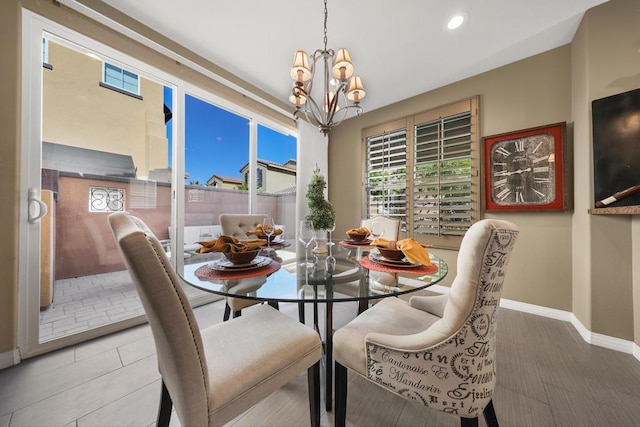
[[325, 24]]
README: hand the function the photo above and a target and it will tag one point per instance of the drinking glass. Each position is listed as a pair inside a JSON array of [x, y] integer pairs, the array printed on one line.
[[377, 229], [268, 228], [306, 235], [331, 230]]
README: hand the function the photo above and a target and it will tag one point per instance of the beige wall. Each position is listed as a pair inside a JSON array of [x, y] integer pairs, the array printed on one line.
[[9, 171], [276, 180], [566, 260], [605, 62], [529, 93], [77, 111]]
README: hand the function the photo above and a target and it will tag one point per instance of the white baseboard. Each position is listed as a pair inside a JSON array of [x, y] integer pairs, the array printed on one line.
[[603, 340], [9, 358], [551, 313], [593, 338]]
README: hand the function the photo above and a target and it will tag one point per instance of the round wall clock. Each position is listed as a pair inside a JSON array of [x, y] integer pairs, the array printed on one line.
[[524, 169]]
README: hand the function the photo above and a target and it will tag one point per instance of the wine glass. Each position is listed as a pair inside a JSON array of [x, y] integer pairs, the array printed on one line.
[[377, 229], [306, 235], [331, 229], [268, 228]]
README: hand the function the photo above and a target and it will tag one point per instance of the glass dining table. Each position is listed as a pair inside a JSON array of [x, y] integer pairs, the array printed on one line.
[[346, 271]]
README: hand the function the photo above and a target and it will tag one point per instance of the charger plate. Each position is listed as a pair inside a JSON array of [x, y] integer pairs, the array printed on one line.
[[207, 273], [369, 264], [224, 264], [403, 263]]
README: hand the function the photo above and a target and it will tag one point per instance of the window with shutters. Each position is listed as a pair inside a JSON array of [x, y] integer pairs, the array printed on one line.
[[423, 170]]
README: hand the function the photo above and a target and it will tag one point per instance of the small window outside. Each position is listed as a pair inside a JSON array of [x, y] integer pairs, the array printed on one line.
[[259, 178], [121, 79], [45, 50]]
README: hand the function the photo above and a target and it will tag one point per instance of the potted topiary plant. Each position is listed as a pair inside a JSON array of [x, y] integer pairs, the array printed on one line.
[[321, 211]]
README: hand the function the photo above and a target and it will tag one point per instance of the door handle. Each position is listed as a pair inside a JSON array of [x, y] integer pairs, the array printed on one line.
[[35, 204]]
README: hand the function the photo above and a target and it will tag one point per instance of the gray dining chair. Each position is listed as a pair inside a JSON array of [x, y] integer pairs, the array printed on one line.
[[436, 351], [238, 225], [214, 375]]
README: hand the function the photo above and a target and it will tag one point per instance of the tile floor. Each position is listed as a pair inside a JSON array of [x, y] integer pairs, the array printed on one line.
[[547, 377]]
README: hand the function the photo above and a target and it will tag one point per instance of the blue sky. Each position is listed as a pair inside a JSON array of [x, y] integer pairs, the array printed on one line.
[[217, 141]]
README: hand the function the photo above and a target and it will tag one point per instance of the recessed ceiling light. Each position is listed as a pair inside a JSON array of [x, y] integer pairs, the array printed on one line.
[[455, 21]]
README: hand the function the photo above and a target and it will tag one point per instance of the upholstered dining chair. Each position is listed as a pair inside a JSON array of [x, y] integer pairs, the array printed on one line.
[[214, 375], [437, 351], [237, 225], [391, 226]]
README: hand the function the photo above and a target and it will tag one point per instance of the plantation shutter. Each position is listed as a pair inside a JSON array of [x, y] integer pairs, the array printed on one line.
[[442, 187], [386, 175]]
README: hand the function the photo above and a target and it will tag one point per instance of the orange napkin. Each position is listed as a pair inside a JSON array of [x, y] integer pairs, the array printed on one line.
[[415, 252], [230, 244], [359, 230], [260, 232]]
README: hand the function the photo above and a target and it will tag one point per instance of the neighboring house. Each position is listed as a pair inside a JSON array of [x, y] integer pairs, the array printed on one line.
[[272, 177], [221, 181], [95, 105]]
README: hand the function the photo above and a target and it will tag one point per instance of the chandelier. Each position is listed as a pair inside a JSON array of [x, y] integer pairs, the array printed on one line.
[[341, 90]]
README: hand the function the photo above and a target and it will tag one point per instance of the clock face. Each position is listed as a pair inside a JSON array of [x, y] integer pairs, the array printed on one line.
[[522, 171]]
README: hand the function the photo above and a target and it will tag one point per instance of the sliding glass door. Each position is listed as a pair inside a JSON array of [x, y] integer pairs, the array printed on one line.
[[104, 149], [104, 132]]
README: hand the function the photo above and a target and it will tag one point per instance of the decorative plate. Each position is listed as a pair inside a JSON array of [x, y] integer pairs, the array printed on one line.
[[376, 257], [224, 264], [358, 242]]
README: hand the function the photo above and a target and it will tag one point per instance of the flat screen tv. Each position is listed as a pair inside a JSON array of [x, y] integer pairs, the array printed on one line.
[[616, 149]]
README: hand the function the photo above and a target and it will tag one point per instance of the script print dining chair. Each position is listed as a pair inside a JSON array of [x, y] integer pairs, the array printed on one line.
[[214, 375], [238, 225], [438, 351]]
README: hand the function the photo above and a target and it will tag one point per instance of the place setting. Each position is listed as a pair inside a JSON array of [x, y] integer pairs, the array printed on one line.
[[406, 255], [240, 259], [272, 235], [357, 238], [227, 264]]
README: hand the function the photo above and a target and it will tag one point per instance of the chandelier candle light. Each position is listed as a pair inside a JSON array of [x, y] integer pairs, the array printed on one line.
[[341, 93]]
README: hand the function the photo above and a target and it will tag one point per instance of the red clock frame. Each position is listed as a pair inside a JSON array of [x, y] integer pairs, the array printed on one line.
[[557, 130]]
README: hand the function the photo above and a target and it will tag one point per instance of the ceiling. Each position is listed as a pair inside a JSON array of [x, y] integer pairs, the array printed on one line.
[[399, 48]]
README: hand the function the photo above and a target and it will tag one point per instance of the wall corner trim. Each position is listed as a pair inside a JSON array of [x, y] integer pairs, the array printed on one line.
[[9, 358], [604, 340]]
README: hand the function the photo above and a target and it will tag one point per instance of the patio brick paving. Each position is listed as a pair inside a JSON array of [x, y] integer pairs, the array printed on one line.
[[83, 303]]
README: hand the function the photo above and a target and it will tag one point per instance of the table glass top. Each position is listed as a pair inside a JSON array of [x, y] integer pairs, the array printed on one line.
[[355, 277]]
